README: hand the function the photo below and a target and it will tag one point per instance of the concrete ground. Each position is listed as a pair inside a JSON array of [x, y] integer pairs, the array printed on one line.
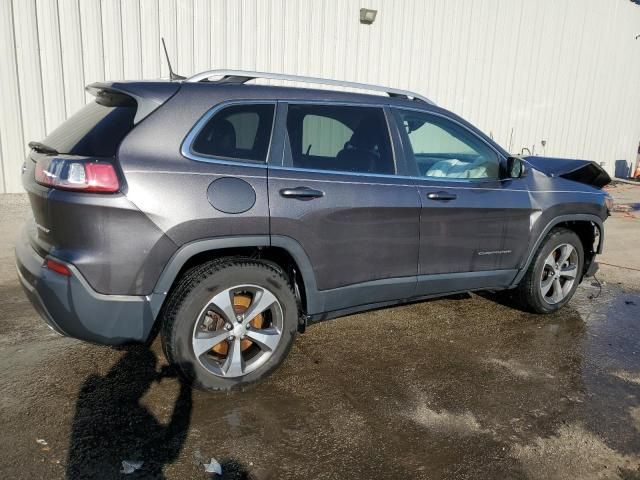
[[620, 261], [457, 388]]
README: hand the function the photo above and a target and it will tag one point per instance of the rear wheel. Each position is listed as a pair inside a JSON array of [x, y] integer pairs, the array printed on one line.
[[554, 273], [229, 323]]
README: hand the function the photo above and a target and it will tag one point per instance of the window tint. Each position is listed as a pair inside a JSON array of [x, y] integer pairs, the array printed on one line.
[[239, 132], [96, 129], [340, 138], [442, 148], [325, 136]]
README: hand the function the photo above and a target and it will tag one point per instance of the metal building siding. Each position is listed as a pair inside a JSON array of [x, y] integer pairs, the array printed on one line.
[[562, 71]]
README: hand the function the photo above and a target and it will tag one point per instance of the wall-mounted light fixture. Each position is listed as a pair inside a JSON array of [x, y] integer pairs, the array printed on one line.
[[367, 17]]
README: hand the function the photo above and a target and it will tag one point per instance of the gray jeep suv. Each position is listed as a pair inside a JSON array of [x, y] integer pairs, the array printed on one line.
[[228, 216]]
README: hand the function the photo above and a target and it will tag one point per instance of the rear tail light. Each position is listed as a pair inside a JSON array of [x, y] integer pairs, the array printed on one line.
[[57, 267], [78, 175]]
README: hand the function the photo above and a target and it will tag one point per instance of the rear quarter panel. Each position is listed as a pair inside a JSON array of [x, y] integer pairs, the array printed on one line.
[[116, 248], [171, 189]]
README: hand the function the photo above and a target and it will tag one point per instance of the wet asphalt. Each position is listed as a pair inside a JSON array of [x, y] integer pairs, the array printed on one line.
[[456, 388]]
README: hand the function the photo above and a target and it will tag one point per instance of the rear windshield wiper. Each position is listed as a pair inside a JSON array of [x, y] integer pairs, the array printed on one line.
[[42, 148]]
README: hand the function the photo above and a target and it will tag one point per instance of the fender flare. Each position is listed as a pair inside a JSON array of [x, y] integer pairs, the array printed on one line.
[[188, 250], [578, 217]]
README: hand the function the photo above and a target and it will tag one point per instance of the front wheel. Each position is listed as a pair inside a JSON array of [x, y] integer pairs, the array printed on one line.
[[229, 323], [554, 273]]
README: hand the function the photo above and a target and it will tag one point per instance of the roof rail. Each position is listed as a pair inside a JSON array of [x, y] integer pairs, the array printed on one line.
[[243, 76]]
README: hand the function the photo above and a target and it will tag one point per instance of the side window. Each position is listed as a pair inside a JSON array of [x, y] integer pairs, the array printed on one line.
[[327, 134], [238, 132], [442, 148], [339, 138]]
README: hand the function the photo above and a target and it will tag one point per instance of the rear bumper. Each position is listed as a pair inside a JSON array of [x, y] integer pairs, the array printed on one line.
[[72, 308]]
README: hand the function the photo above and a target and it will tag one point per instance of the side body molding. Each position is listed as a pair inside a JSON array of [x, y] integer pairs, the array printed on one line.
[[578, 217]]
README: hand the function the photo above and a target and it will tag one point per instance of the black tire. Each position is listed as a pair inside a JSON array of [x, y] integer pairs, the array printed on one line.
[[528, 293], [195, 289]]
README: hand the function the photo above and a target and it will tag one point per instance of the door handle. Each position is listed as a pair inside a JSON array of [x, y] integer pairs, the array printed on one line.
[[441, 196], [303, 193]]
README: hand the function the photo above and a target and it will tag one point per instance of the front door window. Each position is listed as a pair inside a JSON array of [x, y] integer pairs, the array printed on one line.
[[443, 149]]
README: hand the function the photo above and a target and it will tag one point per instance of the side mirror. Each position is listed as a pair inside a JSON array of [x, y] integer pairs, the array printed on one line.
[[515, 167]]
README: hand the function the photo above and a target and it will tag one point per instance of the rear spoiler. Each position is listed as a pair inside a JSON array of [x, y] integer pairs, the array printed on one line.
[[583, 171], [148, 95]]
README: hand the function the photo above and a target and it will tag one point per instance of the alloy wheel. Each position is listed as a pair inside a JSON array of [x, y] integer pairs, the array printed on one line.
[[238, 330], [559, 273]]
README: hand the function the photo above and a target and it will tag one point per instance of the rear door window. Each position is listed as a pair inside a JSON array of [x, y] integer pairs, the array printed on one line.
[[324, 136], [339, 138], [238, 132], [97, 129]]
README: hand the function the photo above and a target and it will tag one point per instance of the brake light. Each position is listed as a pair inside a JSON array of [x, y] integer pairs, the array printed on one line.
[[85, 176], [57, 267]]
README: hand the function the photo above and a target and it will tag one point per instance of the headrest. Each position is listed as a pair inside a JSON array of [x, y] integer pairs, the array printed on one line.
[[223, 134], [367, 134]]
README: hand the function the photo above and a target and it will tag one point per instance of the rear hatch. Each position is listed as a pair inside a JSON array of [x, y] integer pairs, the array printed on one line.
[[84, 149]]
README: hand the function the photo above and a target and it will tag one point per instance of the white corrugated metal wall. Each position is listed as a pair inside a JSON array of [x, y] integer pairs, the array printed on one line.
[[564, 71]]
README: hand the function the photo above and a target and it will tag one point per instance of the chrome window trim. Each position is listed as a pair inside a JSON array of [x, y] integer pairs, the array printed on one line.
[[187, 144], [385, 175], [385, 113], [384, 105], [413, 185], [185, 148], [435, 180]]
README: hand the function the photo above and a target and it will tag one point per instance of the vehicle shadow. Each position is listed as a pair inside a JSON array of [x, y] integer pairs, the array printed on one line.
[[111, 425], [506, 298]]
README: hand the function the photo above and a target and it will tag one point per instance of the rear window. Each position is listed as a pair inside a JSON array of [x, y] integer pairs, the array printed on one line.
[[97, 129]]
